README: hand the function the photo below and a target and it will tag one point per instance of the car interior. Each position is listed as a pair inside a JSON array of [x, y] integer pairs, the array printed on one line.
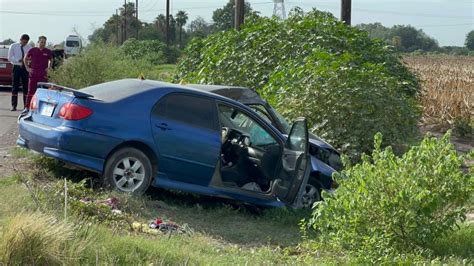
[[249, 155]]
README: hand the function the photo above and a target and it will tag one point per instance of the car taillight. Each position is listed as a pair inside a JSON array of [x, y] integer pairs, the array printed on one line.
[[71, 111], [33, 103]]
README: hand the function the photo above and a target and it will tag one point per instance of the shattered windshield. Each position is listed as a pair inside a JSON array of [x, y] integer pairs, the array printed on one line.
[[282, 120]]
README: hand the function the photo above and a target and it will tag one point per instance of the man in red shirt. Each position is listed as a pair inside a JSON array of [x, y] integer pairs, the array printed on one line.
[[38, 61]]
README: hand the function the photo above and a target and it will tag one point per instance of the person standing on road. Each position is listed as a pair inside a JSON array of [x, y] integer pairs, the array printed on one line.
[[38, 61], [16, 53]]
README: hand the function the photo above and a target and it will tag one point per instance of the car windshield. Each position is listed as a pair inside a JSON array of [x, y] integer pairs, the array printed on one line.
[[235, 119], [282, 120], [72, 44], [263, 113]]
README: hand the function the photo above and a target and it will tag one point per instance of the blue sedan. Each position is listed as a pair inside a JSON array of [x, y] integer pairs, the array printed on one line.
[[137, 133]]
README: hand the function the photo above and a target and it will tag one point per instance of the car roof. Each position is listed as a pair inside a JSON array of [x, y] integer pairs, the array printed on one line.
[[119, 89], [240, 94]]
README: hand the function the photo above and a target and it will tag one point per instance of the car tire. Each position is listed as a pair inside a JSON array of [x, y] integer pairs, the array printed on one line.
[[128, 170], [311, 194]]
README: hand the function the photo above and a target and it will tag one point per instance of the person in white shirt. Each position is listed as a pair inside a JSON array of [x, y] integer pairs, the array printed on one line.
[[16, 55]]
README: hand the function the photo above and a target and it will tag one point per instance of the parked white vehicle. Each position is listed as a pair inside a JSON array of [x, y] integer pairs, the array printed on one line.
[[72, 45]]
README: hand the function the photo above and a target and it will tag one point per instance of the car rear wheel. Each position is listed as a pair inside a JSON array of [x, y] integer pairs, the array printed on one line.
[[128, 170]]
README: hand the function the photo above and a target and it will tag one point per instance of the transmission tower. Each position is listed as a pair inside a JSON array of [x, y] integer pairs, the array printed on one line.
[[279, 9]]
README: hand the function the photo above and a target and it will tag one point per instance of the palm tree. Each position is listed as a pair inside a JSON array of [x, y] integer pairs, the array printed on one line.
[[181, 19]]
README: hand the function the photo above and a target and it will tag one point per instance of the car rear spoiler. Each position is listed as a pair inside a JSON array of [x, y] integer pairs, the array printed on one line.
[[52, 86]]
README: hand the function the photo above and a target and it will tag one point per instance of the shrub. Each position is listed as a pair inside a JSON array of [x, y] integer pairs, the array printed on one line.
[[260, 55], [346, 104], [39, 239], [153, 51], [462, 126], [391, 205], [100, 63]]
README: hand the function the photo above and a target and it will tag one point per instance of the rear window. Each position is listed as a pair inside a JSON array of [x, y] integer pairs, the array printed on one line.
[[188, 109], [4, 52], [117, 90]]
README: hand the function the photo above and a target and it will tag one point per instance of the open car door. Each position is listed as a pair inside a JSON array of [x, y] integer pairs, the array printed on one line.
[[294, 172]]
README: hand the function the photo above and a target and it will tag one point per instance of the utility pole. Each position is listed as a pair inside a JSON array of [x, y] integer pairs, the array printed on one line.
[[346, 11], [167, 22], [239, 13], [136, 16], [118, 26], [125, 20]]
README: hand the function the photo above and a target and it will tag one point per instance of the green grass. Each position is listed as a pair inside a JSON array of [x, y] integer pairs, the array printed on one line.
[[18, 153], [459, 243], [221, 232], [218, 237]]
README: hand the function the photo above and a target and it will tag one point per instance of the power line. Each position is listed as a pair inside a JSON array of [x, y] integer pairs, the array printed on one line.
[[441, 16], [105, 13], [443, 25]]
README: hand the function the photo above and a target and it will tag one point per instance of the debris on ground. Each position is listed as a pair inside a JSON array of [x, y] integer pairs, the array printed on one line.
[[113, 203], [158, 226]]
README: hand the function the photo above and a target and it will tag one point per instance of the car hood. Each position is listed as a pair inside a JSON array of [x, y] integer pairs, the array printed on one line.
[[315, 140]]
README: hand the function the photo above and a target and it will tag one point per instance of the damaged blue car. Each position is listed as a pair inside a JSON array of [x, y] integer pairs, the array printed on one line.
[[325, 159], [140, 133]]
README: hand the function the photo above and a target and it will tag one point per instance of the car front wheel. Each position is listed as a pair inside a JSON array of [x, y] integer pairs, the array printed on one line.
[[128, 170], [311, 194]]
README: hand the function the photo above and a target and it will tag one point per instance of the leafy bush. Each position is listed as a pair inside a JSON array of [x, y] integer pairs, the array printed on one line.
[[100, 63], [391, 205], [346, 104], [153, 51], [462, 126], [150, 50], [265, 49]]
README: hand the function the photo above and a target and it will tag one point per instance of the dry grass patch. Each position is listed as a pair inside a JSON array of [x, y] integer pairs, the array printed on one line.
[[39, 239]]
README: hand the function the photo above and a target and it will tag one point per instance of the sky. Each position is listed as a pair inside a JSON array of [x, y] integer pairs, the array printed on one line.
[[448, 21]]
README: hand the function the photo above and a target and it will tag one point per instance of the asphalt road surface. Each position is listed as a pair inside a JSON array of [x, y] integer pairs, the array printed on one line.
[[8, 134], [8, 125]]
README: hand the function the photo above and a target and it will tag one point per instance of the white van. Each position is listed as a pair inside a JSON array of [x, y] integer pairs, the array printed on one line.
[[72, 45]]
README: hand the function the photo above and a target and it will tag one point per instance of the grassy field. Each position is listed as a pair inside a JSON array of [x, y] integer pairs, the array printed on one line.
[[217, 231], [447, 83]]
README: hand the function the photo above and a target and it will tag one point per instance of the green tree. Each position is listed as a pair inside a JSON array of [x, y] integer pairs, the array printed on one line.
[[405, 38], [118, 27], [181, 19], [315, 66], [224, 18], [470, 40], [160, 23], [199, 28], [7, 41]]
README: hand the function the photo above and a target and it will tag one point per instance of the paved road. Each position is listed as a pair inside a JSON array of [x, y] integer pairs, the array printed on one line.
[[7, 117], [8, 134]]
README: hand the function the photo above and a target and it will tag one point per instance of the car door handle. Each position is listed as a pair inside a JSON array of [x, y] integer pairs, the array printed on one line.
[[163, 126]]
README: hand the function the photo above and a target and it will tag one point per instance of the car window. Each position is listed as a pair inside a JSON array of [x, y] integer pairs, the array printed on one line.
[[234, 118], [260, 110], [3, 52], [192, 110], [72, 43], [283, 121]]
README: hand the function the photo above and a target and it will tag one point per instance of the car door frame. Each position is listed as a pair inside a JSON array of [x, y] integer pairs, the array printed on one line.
[[282, 141]]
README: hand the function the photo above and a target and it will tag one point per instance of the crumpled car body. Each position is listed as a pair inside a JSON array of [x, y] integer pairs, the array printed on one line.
[[325, 159], [141, 133]]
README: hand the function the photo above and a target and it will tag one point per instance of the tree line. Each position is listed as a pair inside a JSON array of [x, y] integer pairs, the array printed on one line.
[[124, 25], [408, 39]]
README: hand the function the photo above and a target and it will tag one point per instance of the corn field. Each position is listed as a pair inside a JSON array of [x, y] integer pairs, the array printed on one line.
[[447, 87]]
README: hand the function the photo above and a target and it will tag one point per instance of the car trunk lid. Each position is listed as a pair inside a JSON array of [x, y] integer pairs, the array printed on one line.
[[52, 105]]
